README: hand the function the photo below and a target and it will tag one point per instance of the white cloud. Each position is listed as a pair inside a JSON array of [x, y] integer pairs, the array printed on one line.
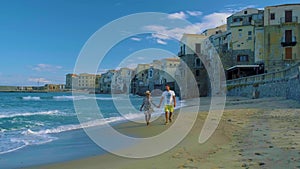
[[39, 80], [46, 68], [178, 15], [136, 39], [208, 21], [215, 19], [233, 8], [194, 13], [159, 41], [164, 33]]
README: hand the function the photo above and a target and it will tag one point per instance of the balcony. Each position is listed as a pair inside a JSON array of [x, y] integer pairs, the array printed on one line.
[[293, 19], [180, 54], [291, 42]]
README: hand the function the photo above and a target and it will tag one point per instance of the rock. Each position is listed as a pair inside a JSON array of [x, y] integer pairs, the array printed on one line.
[[258, 154], [262, 163]]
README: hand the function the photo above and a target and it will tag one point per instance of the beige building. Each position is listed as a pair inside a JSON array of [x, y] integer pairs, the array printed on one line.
[[168, 67], [121, 80], [82, 81], [281, 29], [214, 31], [191, 67], [86, 81]]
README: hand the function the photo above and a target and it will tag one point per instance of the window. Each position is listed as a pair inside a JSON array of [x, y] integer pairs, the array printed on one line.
[[197, 73], [288, 53], [250, 18], [235, 20], [240, 30], [249, 38], [272, 16], [288, 16], [245, 12], [249, 32], [242, 58], [198, 47]]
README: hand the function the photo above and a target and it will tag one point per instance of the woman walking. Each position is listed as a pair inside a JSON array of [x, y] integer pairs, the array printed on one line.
[[146, 106]]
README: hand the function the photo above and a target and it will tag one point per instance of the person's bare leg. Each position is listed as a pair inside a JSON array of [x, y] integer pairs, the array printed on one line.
[[167, 116], [170, 117], [149, 118], [146, 118]]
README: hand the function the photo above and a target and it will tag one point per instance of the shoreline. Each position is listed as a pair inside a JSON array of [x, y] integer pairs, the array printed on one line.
[[241, 140]]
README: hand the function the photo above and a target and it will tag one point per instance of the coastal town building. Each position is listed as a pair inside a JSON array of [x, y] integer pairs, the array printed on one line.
[[191, 68], [54, 87], [121, 81], [105, 81], [253, 41], [140, 83], [281, 32], [83, 81], [243, 26], [71, 80]]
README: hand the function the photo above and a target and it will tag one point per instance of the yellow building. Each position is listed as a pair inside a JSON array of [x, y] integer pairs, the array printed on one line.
[[282, 29], [216, 30], [244, 27]]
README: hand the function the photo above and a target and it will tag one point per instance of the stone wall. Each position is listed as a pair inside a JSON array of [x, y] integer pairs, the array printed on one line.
[[285, 83]]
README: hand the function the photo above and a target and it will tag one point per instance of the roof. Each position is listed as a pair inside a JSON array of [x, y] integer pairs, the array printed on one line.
[[172, 59], [283, 5], [242, 66]]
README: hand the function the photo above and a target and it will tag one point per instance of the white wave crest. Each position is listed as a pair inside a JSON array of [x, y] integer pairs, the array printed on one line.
[[29, 114]]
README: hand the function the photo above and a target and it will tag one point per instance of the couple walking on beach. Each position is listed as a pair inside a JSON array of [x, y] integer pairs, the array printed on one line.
[[170, 102]]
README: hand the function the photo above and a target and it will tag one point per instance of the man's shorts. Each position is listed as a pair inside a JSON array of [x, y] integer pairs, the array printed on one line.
[[169, 108]]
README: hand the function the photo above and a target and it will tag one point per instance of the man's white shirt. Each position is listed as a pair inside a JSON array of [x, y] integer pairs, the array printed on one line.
[[168, 97]]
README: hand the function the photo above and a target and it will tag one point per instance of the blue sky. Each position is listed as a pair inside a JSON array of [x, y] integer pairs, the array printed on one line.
[[41, 40]]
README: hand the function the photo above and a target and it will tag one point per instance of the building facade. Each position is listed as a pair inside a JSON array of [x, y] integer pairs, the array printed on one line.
[[105, 81], [71, 80], [191, 68], [121, 81], [83, 81], [243, 26], [281, 30]]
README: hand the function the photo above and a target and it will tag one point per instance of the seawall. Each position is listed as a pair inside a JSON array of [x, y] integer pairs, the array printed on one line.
[[284, 83]]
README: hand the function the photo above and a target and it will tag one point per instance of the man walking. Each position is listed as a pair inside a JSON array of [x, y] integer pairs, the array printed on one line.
[[169, 97]]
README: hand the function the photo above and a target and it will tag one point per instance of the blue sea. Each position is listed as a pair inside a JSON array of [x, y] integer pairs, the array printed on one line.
[[35, 125]]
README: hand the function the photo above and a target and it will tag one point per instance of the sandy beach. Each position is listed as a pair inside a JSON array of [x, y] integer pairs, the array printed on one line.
[[253, 133]]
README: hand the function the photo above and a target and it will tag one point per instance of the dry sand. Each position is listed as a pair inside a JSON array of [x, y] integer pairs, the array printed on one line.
[[260, 133]]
